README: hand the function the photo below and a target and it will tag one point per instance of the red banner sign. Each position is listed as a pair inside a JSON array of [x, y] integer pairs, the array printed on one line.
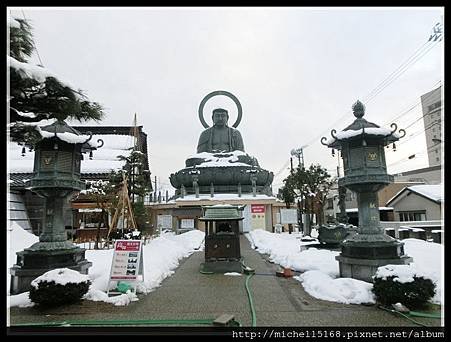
[[257, 208]]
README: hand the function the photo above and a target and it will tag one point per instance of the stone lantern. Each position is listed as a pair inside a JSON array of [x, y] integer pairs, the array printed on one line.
[[365, 172], [222, 238], [56, 175]]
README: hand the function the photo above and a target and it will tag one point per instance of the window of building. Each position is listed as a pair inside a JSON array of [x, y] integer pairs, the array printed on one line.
[[412, 216], [437, 159], [433, 129], [436, 151], [349, 196]]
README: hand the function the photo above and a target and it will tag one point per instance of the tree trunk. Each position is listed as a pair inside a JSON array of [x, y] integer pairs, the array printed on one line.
[[102, 215]]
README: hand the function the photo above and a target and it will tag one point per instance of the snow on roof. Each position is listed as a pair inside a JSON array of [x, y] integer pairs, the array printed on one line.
[[434, 192], [354, 210], [207, 197], [67, 137], [368, 130], [104, 159]]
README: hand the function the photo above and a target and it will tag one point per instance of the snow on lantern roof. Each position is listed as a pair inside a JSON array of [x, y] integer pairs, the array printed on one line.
[[362, 128], [61, 130], [105, 158]]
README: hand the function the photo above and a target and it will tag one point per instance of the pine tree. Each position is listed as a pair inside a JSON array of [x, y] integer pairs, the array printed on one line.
[[313, 184], [36, 93]]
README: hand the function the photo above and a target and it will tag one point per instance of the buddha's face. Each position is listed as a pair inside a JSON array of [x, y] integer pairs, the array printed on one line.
[[220, 118]]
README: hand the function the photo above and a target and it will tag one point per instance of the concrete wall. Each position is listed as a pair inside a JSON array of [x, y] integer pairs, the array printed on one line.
[[17, 211]]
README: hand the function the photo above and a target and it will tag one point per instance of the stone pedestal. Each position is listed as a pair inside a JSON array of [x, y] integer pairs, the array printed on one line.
[[365, 269], [362, 255], [32, 263]]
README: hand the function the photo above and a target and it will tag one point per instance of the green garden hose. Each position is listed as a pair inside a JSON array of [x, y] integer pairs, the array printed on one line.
[[411, 313], [124, 322], [424, 314]]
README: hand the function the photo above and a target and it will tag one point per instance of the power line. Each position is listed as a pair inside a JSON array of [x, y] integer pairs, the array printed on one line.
[[400, 72], [415, 105], [385, 83]]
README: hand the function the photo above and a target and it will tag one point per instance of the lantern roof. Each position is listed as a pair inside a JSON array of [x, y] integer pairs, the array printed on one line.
[[362, 129], [62, 131]]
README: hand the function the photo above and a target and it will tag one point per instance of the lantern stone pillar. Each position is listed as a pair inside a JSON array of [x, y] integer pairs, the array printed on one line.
[[365, 172], [56, 175]]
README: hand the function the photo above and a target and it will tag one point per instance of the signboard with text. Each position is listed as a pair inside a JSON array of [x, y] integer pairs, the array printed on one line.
[[288, 216], [127, 263]]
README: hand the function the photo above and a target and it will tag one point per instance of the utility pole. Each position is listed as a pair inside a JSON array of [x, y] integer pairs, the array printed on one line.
[[155, 192], [298, 152]]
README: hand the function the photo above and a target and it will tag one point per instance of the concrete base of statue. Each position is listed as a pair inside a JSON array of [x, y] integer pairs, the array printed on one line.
[[38, 259]]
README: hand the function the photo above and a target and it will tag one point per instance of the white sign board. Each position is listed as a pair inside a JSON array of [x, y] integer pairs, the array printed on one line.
[[187, 223], [164, 221], [127, 261], [288, 216]]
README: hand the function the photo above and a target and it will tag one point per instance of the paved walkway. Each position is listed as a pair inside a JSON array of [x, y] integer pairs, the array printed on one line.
[[188, 294]]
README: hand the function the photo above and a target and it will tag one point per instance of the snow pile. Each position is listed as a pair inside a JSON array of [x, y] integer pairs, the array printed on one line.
[[18, 239], [428, 259], [219, 159], [161, 258], [285, 250], [401, 273], [341, 290], [61, 276]]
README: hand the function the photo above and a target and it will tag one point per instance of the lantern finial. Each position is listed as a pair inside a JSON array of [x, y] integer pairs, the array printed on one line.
[[358, 109]]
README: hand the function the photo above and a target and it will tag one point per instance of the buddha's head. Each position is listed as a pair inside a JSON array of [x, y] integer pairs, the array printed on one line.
[[220, 117]]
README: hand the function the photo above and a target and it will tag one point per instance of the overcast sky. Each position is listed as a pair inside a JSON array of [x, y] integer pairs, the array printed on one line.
[[296, 71]]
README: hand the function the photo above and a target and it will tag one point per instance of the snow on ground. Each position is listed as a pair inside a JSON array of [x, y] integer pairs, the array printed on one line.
[[17, 239], [428, 258], [284, 249], [161, 258], [321, 270]]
